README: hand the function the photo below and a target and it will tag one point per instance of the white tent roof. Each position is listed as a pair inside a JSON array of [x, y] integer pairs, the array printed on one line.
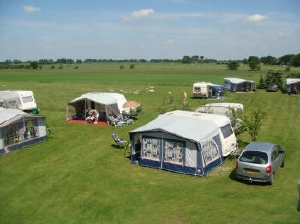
[[102, 98], [10, 115], [292, 81], [183, 126], [238, 80], [219, 120]]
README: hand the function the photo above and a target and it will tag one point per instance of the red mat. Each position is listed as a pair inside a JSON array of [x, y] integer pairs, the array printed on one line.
[[100, 123]]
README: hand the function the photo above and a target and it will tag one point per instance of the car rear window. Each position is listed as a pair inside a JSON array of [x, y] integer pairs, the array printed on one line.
[[256, 157]]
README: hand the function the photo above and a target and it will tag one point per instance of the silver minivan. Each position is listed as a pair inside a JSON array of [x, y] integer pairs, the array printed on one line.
[[259, 161]]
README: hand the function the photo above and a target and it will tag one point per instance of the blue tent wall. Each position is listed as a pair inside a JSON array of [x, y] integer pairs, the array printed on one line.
[[158, 158]]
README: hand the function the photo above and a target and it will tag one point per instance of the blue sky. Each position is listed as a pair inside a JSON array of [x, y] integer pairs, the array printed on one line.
[[138, 29]]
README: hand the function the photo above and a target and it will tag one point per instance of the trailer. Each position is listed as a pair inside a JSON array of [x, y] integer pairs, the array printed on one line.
[[18, 99], [207, 90]]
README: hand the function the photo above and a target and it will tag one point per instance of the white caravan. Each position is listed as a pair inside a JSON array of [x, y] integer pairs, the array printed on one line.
[[227, 136], [202, 89], [18, 99]]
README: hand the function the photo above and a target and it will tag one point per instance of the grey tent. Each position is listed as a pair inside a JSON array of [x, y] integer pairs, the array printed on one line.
[[105, 103], [239, 85], [19, 129], [182, 144], [292, 86]]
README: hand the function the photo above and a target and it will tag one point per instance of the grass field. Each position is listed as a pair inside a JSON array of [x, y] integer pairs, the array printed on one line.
[[79, 177]]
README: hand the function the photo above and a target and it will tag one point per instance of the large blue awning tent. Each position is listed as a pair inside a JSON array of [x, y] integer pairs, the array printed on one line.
[[19, 129], [239, 85], [182, 144]]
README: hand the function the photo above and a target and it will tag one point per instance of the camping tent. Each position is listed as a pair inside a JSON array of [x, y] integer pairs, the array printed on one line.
[[19, 129], [292, 86], [105, 103], [182, 144], [239, 85]]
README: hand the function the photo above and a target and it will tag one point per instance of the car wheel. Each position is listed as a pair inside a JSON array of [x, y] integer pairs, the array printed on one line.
[[271, 180]]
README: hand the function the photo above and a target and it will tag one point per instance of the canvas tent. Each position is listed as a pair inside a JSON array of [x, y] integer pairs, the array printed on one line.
[[182, 144], [292, 86], [105, 103], [19, 129], [239, 85]]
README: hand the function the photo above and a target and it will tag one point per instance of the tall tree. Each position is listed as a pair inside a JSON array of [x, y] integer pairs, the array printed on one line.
[[233, 65], [253, 62]]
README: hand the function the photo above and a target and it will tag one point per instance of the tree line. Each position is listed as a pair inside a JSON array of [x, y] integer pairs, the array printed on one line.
[[254, 62]]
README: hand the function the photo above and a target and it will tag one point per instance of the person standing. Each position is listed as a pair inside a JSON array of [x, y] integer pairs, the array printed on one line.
[[184, 98]]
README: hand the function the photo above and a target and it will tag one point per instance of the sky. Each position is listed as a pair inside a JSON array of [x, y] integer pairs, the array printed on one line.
[[153, 29]]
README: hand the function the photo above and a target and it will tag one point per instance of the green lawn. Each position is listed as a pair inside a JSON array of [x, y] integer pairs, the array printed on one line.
[[79, 177]]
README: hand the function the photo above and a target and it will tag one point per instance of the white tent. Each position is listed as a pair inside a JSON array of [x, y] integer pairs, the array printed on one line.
[[105, 103], [182, 144], [19, 129]]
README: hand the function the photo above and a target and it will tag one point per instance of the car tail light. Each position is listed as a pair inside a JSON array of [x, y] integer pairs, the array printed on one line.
[[269, 169], [236, 165]]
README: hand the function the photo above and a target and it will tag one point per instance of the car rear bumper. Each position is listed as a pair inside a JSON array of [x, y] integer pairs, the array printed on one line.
[[254, 179]]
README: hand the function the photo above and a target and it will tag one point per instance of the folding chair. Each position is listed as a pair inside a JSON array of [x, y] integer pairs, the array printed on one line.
[[118, 141]]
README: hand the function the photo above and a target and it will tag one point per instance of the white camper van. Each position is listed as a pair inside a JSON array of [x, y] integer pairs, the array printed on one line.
[[18, 99], [227, 136], [207, 90], [202, 89]]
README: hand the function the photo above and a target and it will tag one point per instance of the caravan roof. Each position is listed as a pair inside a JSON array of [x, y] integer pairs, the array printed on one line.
[[220, 108], [219, 120], [174, 125]]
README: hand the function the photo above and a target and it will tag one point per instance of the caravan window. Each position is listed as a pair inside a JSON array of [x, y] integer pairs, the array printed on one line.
[[226, 131], [197, 89], [27, 99], [12, 104]]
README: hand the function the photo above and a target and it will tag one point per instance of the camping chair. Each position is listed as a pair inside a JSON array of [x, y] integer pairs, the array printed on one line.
[[115, 122], [125, 119], [118, 141]]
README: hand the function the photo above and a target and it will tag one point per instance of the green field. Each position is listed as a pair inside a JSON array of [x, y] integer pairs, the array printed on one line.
[[79, 177]]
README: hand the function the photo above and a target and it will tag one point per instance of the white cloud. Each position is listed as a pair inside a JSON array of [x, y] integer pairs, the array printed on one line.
[[31, 9], [256, 17], [138, 14]]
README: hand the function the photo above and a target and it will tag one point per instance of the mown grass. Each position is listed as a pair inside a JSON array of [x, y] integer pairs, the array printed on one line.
[[79, 177]]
